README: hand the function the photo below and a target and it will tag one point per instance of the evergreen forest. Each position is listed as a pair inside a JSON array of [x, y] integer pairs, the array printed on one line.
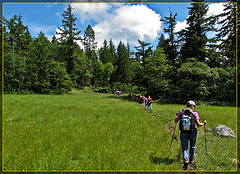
[[185, 65]]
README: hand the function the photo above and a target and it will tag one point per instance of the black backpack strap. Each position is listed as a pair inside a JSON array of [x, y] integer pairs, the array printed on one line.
[[180, 122]]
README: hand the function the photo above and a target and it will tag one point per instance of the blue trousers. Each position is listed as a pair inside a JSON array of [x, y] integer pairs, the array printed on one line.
[[186, 137], [150, 106]]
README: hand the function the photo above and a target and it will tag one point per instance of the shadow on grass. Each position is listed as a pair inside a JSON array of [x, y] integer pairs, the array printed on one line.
[[159, 160]]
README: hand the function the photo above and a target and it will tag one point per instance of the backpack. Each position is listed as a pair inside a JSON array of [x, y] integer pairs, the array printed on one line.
[[187, 121]]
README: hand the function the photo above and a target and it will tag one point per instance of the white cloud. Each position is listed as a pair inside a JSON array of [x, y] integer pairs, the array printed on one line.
[[128, 23], [215, 9], [80, 44], [180, 25], [139, 20], [57, 35], [91, 11]]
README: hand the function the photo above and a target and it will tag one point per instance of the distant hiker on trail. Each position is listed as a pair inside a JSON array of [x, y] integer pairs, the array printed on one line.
[[149, 103], [140, 99], [133, 96], [189, 121], [145, 102], [129, 95]]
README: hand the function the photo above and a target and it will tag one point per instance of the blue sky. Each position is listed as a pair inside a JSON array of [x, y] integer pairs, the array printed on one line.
[[118, 21]]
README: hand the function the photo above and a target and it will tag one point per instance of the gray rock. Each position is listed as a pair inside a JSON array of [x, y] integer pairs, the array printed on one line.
[[224, 131]]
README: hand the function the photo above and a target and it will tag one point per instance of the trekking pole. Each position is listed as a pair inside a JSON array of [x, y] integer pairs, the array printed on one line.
[[172, 137], [205, 136]]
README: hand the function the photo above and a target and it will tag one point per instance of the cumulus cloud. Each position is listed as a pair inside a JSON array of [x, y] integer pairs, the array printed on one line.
[[126, 23], [139, 20], [91, 11], [181, 25], [215, 9]]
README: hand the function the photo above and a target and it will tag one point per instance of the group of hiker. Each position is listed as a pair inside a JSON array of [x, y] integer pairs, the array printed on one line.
[[116, 92], [146, 102], [188, 123]]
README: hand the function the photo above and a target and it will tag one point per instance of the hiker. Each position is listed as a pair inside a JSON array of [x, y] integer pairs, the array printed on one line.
[[146, 102], [189, 121], [133, 96], [149, 103], [143, 101]]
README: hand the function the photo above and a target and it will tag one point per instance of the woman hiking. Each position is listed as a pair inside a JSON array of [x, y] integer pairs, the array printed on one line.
[[149, 99], [189, 121]]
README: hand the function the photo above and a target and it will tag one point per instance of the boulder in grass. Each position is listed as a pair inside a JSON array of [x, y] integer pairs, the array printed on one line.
[[224, 131]]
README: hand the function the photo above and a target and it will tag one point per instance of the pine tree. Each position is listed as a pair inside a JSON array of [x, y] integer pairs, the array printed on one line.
[[104, 53], [89, 43], [194, 36], [68, 37], [170, 45], [161, 41], [16, 48], [143, 53], [228, 32], [113, 55], [90, 50], [39, 65], [122, 71]]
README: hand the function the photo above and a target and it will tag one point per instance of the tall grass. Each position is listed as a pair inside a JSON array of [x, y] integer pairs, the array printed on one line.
[[86, 131]]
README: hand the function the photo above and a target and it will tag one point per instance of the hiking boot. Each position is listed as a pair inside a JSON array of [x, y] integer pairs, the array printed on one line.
[[185, 166], [191, 166]]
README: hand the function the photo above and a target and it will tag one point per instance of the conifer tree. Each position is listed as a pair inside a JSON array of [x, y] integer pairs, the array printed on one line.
[[113, 55], [170, 44], [17, 41], [161, 41], [90, 50], [89, 43], [69, 34], [104, 53], [122, 71], [143, 52], [39, 64], [194, 36], [228, 32]]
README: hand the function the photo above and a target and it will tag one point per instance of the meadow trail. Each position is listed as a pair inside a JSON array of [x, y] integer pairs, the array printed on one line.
[[87, 131]]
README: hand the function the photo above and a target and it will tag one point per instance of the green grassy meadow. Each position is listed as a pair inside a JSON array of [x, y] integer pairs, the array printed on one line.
[[87, 131]]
